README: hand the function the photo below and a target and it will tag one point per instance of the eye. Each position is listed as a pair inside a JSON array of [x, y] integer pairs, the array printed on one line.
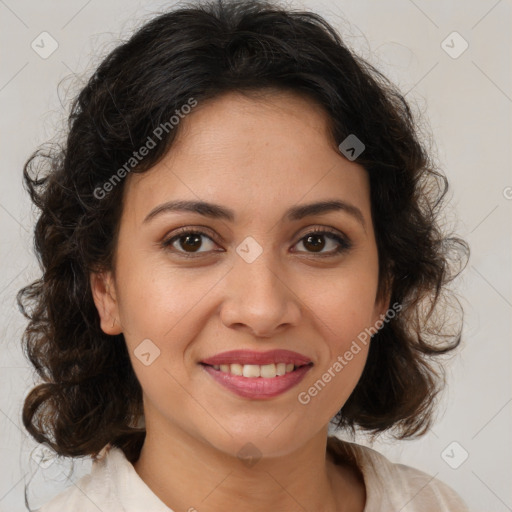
[[315, 242], [188, 241]]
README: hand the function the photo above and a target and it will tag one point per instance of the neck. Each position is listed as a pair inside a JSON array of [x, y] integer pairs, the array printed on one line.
[[189, 474]]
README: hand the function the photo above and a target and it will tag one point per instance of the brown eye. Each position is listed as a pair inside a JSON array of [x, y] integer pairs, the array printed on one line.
[[192, 242], [317, 240], [188, 242]]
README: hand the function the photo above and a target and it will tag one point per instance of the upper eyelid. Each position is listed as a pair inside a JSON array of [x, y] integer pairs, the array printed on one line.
[[212, 234]]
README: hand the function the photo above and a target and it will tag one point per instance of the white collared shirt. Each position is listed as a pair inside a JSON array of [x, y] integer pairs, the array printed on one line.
[[113, 485]]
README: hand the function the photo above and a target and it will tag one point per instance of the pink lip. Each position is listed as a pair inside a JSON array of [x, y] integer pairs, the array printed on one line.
[[259, 358], [258, 387]]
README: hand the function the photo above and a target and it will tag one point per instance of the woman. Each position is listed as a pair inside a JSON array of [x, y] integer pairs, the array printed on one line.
[[239, 244]]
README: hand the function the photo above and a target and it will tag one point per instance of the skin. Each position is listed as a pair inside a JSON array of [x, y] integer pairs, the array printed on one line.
[[258, 156]]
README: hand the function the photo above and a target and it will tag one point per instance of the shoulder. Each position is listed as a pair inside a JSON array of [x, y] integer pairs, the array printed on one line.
[[113, 485], [91, 492], [392, 486]]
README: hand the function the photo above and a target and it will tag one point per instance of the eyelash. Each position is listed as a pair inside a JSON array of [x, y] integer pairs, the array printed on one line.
[[344, 243]]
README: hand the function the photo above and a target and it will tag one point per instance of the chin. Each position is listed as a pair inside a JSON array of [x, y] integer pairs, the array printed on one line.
[[250, 443]]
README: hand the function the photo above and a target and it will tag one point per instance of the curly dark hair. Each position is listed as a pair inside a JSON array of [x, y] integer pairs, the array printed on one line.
[[204, 50]]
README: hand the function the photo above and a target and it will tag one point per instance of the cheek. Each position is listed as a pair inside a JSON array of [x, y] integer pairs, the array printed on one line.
[[342, 357], [156, 300], [161, 309], [344, 329], [343, 316], [344, 303]]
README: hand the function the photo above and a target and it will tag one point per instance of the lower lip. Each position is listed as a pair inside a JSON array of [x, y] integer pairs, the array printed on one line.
[[258, 387]]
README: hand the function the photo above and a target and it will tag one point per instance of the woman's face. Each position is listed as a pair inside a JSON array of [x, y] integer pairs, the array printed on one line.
[[254, 279]]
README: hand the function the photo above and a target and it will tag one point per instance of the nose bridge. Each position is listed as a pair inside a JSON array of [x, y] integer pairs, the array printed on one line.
[[257, 295]]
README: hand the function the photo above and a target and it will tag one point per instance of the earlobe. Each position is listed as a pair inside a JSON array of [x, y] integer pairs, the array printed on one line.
[[104, 296], [382, 307]]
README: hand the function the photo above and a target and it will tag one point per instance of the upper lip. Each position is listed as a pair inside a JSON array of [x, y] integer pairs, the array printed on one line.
[[259, 358]]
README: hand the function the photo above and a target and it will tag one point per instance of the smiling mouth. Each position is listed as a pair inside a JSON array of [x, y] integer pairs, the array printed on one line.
[[254, 371]]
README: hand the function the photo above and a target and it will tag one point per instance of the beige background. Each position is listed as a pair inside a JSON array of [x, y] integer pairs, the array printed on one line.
[[467, 101]]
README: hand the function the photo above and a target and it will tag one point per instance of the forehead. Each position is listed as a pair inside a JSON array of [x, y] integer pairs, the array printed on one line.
[[246, 122], [251, 150]]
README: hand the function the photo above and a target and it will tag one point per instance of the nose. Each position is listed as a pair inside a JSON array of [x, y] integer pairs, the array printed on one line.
[[259, 298]]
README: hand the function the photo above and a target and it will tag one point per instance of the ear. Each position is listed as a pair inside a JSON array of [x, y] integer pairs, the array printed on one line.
[[104, 296], [382, 304]]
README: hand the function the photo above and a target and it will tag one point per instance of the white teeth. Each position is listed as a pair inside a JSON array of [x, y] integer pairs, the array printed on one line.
[[280, 368], [251, 370], [236, 369], [266, 371]]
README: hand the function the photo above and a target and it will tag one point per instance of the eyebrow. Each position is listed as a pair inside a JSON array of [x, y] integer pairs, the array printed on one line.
[[295, 213]]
